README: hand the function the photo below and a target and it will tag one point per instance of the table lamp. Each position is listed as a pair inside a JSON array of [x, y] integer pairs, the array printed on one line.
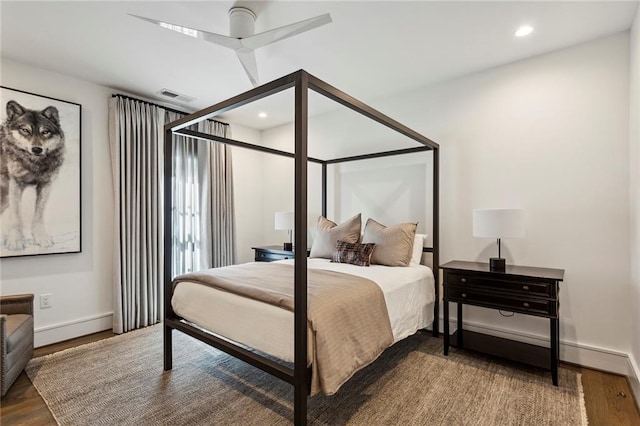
[[498, 223], [284, 222]]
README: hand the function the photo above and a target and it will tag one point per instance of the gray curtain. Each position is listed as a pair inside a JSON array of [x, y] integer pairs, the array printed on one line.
[[216, 199], [135, 135], [202, 210]]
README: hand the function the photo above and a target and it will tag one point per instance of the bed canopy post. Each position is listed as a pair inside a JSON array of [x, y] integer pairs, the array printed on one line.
[[168, 233], [324, 189], [436, 240], [301, 378]]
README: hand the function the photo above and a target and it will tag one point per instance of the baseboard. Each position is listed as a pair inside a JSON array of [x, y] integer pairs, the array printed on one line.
[[54, 333], [575, 353], [634, 378]]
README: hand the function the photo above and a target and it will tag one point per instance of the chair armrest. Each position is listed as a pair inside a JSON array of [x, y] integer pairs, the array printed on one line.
[[16, 304], [3, 338]]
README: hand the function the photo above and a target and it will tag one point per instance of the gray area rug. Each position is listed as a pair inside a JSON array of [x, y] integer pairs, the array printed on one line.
[[120, 381]]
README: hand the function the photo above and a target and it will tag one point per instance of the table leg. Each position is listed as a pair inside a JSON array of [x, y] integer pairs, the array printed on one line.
[[445, 320], [460, 342], [555, 349]]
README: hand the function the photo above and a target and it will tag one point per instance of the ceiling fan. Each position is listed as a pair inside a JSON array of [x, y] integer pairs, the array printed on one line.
[[242, 37]]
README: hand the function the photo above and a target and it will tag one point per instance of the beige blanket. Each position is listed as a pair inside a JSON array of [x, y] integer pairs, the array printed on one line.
[[347, 315]]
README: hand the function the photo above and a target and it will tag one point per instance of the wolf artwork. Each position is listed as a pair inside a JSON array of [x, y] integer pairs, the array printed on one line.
[[31, 153]]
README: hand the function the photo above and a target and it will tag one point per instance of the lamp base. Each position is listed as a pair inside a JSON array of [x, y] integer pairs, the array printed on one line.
[[497, 264], [288, 246]]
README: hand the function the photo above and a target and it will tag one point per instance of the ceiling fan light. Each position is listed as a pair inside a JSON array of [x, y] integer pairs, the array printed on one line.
[[262, 114], [524, 30]]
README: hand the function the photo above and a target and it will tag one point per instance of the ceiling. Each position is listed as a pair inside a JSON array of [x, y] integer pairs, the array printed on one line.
[[370, 50]]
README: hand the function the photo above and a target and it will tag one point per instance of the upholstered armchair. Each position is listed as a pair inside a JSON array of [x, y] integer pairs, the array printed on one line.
[[16, 335]]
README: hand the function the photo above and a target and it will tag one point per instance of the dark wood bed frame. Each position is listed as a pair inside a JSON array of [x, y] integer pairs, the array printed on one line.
[[299, 375]]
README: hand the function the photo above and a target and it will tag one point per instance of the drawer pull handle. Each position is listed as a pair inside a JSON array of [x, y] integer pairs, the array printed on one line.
[[525, 304], [525, 287], [463, 280], [464, 295]]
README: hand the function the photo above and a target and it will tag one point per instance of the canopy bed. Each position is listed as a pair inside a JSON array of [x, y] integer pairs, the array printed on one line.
[[305, 273]]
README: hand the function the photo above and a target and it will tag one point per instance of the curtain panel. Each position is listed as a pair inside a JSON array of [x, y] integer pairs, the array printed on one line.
[[216, 199], [202, 211]]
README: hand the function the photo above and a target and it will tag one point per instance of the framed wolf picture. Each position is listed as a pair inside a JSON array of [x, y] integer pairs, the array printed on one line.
[[39, 174]]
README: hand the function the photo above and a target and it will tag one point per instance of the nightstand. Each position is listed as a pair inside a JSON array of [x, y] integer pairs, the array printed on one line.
[[272, 253], [521, 289]]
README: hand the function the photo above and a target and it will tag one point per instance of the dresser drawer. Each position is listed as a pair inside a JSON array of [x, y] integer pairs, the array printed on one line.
[[262, 256], [531, 306], [534, 288]]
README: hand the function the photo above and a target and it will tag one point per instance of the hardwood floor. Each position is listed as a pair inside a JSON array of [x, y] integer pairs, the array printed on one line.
[[608, 398]]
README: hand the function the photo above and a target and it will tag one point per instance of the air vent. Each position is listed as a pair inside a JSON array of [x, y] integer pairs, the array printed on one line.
[[173, 95], [169, 94]]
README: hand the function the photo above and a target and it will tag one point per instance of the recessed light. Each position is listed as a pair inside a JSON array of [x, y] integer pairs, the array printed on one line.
[[262, 115], [524, 30]]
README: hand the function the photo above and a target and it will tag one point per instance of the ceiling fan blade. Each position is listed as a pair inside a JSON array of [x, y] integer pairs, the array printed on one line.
[[271, 36], [248, 60], [229, 42]]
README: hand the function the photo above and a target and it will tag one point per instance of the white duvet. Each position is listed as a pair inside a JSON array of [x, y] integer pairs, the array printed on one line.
[[408, 293]]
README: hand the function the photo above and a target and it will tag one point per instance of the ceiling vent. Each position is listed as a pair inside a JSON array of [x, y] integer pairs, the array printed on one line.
[[175, 96]]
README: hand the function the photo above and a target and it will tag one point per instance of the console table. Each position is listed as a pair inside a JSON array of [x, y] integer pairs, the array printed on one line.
[[519, 289], [272, 253]]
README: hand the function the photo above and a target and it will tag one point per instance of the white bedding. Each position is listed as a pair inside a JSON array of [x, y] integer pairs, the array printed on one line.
[[408, 293]]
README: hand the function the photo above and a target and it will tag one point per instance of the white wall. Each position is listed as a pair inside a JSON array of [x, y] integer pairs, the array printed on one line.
[[247, 192], [634, 156], [390, 190], [551, 135], [548, 134], [278, 182], [80, 283]]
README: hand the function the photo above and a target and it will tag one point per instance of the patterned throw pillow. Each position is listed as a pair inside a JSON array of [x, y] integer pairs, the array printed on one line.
[[353, 253]]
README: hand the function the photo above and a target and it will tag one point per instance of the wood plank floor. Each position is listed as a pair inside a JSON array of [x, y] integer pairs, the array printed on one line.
[[608, 398]]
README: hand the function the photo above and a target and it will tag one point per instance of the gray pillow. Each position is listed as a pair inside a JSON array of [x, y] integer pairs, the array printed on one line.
[[328, 234], [394, 244]]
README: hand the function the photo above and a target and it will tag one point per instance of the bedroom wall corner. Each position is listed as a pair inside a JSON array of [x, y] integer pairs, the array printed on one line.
[[634, 168], [80, 283], [247, 192]]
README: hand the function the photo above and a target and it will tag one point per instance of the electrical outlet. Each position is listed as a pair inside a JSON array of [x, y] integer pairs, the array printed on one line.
[[45, 301]]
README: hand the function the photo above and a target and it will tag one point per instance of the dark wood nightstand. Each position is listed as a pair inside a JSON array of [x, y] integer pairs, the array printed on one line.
[[272, 253], [521, 289]]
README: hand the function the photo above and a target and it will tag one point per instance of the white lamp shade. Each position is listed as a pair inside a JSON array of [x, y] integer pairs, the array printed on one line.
[[498, 223], [283, 221]]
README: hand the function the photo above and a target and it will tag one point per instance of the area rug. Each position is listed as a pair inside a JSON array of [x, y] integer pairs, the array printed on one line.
[[120, 380]]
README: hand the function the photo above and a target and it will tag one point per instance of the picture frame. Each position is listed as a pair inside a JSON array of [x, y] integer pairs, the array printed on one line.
[[40, 174]]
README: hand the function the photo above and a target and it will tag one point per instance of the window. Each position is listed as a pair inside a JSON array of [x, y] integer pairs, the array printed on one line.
[[186, 207]]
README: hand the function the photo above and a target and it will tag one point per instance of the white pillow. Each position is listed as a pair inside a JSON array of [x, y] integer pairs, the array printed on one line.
[[416, 254]]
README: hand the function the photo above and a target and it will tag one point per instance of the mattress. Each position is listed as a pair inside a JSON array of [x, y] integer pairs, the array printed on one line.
[[408, 293]]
